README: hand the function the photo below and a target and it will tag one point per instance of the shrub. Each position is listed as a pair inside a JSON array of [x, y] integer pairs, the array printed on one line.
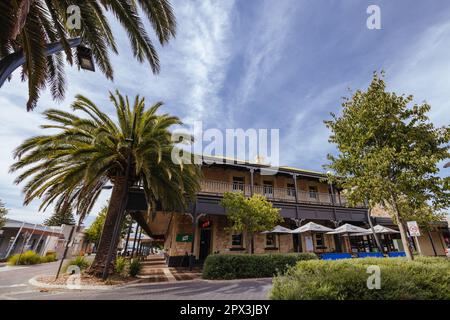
[[27, 258], [423, 278], [135, 267], [238, 266], [49, 258], [79, 261], [120, 265]]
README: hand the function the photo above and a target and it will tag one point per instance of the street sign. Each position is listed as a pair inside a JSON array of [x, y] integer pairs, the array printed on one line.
[[413, 229], [184, 237]]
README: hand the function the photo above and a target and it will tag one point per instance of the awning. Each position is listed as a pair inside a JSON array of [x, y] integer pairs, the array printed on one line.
[[278, 229], [312, 227], [348, 228]]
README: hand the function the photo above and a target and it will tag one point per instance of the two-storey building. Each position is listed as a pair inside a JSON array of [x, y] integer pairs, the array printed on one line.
[[301, 195]]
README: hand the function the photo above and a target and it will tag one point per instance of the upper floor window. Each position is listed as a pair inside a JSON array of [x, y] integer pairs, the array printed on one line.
[[238, 183], [268, 187], [236, 240], [291, 190], [270, 240], [313, 193]]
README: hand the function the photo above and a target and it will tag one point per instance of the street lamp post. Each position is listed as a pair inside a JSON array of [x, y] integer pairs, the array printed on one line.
[[14, 60]]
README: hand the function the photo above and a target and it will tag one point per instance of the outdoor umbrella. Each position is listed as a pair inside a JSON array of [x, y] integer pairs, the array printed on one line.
[[348, 228], [345, 230], [378, 229], [278, 230], [312, 227]]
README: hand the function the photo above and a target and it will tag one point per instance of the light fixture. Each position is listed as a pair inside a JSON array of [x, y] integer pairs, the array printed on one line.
[[85, 58]]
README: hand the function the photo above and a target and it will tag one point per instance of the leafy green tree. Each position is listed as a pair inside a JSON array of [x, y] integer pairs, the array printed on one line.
[[62, 216], [388, 154], [94, 232], [28, 25], [250, 215], [3, 213], [83, 154]]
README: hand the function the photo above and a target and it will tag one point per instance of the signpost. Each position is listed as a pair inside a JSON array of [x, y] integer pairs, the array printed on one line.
[[414, 231]]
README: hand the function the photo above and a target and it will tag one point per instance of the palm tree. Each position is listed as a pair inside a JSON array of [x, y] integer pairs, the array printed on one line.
[[29, 25], [85, 153]]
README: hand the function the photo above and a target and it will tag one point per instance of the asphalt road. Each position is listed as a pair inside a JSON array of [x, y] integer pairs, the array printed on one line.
[[14, 285], [14, 280]]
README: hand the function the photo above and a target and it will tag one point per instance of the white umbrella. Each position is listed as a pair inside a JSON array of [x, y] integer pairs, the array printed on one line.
[[312, 227], [378, 229], [348, 228], [279, 230]]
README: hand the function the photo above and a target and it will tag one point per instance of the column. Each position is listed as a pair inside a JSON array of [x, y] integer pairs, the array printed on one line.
[[252, 171]]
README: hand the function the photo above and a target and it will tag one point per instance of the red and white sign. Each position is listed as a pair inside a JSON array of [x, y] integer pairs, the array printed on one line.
[[413, 229]]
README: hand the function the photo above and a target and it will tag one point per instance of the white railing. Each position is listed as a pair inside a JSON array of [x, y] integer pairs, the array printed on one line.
[[271, 193]]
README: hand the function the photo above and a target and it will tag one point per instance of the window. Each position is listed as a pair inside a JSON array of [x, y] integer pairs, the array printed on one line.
[[313, 192], [291, 190], [319, 240], [268, 188], [270, 240], [236, 240], [238, 184]]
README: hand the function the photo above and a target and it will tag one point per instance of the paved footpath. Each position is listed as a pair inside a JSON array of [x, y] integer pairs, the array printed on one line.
[[14, 285]]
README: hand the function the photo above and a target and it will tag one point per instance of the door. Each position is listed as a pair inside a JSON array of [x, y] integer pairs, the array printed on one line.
[[205, 243]]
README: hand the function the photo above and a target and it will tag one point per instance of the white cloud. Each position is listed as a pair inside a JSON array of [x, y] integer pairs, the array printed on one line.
[[423, 70], [193, 67]]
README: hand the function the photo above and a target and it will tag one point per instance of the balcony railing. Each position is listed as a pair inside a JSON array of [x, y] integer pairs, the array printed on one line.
[[275, 194]]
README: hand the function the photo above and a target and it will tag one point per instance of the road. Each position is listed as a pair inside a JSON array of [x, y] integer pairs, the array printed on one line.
[[14, 280], [14, 285]]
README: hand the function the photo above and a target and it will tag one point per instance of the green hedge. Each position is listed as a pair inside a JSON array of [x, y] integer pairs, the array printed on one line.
[[423, 278], [239, 266]]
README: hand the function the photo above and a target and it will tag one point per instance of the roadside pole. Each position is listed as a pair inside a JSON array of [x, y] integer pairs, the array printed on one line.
[[65, 250]]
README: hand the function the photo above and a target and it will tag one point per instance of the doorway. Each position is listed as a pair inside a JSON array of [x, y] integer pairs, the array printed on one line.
[[205, 243]]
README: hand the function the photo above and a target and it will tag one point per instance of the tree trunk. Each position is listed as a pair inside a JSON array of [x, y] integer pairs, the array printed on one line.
[[248, 242], [402, 229], [375, 236], [112, 216]]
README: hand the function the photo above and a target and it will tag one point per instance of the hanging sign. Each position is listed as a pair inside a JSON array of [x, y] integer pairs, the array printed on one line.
[[205, 224], [413, 229], [182, 237]]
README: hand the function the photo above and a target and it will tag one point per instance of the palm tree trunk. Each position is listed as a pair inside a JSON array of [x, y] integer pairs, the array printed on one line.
[[112, 216]]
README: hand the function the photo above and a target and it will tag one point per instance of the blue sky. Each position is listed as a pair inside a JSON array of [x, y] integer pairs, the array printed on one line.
[[260, 64]]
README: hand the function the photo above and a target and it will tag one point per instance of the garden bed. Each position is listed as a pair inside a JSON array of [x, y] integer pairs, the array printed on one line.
[[85, 280]]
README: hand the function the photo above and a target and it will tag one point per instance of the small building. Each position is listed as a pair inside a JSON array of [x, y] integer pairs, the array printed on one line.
[[20, 236]]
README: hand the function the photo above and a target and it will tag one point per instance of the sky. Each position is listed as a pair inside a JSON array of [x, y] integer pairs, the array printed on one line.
[[283, 64]]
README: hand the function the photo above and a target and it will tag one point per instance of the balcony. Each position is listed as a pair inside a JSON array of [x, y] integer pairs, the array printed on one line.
[[213, 187]]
